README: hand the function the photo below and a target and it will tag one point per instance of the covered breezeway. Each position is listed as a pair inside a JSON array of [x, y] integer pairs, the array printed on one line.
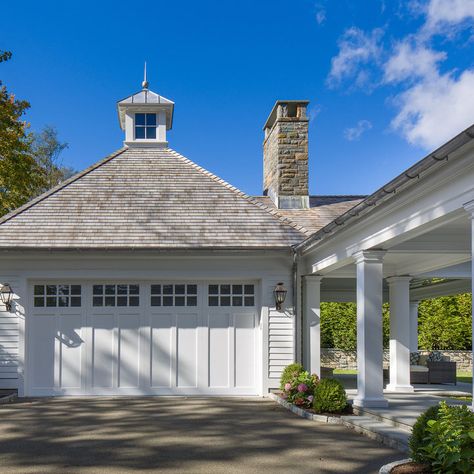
[[409, 241]]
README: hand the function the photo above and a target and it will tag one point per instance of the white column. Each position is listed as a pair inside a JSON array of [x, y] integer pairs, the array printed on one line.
[[369, 329], [470, 209], [414, 326], [399, 288], [312, 324]]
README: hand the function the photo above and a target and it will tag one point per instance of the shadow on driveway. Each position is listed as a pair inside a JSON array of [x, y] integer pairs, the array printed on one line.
[[198, 435]]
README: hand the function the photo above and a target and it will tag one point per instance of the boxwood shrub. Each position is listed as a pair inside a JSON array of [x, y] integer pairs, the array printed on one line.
[[329, 397]]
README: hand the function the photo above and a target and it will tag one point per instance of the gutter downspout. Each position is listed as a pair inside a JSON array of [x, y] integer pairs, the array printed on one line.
[[297, 353]]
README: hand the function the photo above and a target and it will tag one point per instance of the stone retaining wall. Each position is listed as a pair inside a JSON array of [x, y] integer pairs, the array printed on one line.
[[338, 359]]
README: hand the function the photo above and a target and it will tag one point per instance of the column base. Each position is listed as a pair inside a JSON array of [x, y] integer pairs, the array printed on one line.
[[370, 402], [392, 387]]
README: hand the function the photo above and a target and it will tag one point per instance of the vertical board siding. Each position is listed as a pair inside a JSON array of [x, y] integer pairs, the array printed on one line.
[[9, 341], [281, 344]]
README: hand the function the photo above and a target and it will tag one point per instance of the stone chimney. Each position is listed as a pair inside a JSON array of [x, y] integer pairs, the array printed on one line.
[[285, 155]]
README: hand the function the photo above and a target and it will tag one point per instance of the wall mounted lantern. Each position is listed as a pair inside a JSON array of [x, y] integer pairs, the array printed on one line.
[[280, 294], [6, 294]]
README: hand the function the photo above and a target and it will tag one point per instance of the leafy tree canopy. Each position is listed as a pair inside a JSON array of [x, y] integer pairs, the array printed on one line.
[[443, 323], [28, 162]]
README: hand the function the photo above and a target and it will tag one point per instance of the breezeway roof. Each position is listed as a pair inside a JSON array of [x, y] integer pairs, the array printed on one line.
[[145, 199]]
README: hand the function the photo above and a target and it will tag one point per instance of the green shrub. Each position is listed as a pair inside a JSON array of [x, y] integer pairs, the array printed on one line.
[[290, 372], [450, 440], [329, 397], [300, 389], [419, 432], [445, 439]]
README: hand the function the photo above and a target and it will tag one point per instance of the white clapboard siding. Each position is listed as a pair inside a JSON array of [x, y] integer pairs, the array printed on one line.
[[281, 343], [9, 339]]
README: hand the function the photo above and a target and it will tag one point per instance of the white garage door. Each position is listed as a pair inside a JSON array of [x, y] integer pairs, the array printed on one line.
[[130, 338]]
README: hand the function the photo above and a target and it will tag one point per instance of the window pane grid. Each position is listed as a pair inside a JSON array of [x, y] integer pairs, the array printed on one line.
[[179, 294], [116, 295], [52, 296], [145, 126], [231, 295]]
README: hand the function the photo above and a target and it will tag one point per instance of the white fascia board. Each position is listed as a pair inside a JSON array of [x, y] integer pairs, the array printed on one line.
[[448, 288], [435, 201]]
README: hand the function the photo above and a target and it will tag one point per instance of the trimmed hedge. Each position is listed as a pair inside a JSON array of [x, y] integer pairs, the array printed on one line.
[[329, 397]]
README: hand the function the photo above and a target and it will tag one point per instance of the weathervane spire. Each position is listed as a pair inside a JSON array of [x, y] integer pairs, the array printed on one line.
[[145, 82]]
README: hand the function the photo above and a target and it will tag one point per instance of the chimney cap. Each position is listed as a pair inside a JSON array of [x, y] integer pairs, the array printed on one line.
[[291, 108]]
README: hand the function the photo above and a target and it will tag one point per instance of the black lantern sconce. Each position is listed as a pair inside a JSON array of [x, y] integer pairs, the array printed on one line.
[[6, 294], [280, 294]]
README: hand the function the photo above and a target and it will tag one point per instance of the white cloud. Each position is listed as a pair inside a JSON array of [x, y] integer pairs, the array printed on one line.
[[354, 133], [443, 13], [431, 106], [321, 16], [356, 49], [436, 109], [410, 61]]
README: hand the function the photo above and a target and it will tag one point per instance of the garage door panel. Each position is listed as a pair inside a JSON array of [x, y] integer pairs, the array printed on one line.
[[244, 342], [219, 350], [71, 342], [162, 339], [161, 350], [186, 350], [103, 350], [129, 350], [43, 330]]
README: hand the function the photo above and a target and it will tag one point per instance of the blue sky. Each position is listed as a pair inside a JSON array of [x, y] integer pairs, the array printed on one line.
[[388, 81]]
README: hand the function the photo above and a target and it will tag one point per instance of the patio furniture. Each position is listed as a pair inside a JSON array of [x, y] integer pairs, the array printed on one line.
[[442, 372], [419, 374]]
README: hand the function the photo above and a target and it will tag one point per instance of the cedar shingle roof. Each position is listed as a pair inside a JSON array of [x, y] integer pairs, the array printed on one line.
[[322, 210], [146, 198]]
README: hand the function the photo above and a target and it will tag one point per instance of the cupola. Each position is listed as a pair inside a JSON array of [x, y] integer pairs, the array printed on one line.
[[145, 117]]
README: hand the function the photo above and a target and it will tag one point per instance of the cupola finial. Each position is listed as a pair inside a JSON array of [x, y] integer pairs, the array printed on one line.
[[145, 82]]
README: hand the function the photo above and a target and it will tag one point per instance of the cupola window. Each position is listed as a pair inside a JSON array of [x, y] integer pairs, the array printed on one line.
[[145, 126]]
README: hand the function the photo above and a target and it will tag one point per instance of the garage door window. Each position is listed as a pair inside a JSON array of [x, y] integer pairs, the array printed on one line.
[[232, 295], [174, 295], [116, 295], [53, 296]]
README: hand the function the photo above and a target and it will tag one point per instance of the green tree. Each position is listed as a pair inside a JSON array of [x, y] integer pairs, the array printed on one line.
[[29, 162], [445, 323], [46, 149], [20, 174], [339, 325]]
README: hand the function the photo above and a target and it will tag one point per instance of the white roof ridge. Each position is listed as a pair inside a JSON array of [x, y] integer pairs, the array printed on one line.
[[241, 194], [60, 186]]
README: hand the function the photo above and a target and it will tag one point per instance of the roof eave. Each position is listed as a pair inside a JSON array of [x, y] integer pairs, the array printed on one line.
[[405, 179]]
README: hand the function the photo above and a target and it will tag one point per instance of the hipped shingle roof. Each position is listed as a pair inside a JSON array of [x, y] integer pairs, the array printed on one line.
[[146, 198]]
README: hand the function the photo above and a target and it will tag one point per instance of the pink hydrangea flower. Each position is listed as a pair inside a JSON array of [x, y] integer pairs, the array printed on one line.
[[288, 386], [302, 387]]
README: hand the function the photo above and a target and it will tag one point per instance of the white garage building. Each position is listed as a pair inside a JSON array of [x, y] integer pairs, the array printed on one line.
[[147, 275]]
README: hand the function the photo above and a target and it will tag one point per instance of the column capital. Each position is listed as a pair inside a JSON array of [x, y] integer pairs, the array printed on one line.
[[399, 279], [469, 207], [313, 278], [369, 256]]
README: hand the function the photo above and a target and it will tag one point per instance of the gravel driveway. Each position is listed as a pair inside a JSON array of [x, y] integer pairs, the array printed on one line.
[[179, 435]]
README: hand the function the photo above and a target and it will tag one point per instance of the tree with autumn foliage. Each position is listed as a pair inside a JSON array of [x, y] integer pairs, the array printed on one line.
[[28, 161]]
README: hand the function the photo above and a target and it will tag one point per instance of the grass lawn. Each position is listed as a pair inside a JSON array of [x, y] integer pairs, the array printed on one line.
[[461, 376], [345, 371], [464, 377]]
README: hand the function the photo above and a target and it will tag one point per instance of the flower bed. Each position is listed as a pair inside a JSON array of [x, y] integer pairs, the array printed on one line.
[[306, 391]]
